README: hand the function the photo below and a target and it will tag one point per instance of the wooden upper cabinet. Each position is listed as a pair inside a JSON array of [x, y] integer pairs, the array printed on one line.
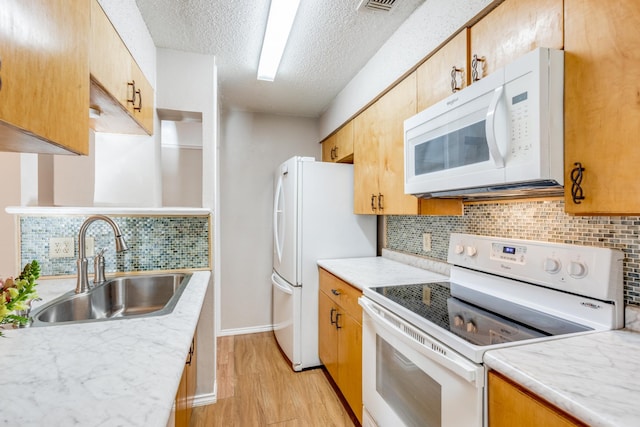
[[44, 90], [379, 158], [602, 106], [328, 149], [445, 72], [119, 89], [513, 29], [338, 148]]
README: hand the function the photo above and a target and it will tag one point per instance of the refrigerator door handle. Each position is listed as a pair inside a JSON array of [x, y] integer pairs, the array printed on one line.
[[277, 213], [282, 287]]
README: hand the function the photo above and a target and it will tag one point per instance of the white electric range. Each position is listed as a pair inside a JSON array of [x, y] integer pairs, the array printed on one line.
[[423, 344]]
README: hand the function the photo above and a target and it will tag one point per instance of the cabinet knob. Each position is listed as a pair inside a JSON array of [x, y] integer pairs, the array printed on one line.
[[475, 74], [132, 85], [454, 78], [577, 194], [336, 292]]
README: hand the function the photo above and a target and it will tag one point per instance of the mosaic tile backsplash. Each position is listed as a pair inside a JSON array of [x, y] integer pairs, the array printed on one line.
[[155, 242], [535, 220]]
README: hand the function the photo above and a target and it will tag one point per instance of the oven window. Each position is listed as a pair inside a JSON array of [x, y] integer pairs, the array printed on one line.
[[414, 396], [461, 147]]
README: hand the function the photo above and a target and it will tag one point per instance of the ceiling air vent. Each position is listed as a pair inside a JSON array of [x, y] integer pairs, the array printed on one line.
[[377, 5]]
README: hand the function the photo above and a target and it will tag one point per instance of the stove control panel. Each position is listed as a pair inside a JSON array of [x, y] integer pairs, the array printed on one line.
[[583, 270], [508, 253]]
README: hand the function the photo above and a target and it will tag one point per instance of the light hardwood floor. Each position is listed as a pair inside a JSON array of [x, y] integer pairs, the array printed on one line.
[[257, 387]]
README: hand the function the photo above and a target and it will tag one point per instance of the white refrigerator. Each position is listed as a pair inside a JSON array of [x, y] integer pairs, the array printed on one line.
[[312, 219]]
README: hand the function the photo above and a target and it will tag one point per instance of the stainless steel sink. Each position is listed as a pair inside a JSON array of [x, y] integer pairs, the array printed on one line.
[[118, 298]]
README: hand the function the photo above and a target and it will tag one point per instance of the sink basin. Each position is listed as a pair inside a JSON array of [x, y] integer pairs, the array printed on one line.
[[119, 298]]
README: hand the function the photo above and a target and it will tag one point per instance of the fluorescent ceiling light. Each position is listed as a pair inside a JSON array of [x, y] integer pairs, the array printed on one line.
[[281, 16]]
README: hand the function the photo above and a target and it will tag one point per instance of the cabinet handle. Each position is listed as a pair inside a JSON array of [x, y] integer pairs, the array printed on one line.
[[139, 107], [474, 67], [333, 311], [0, 76], [333, 153], [381, 201], [373, 202], [336, 292], [191, 351], [133, 92], [454, 80], [576, 179], [336, 152], [338, 321]]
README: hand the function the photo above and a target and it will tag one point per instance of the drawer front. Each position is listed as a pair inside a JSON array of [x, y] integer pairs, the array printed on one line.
[[342, 293]]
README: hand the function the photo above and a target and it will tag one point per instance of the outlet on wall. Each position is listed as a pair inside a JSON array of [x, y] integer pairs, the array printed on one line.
[[61, 247], [426, 242]]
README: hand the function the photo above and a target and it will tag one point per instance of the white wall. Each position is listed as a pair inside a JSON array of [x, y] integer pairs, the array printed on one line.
[[181, 154], [188, 82], [252, 146], [9, 196], [429, 26]]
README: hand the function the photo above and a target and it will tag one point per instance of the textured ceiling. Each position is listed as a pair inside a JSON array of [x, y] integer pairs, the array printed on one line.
[[330, 42]]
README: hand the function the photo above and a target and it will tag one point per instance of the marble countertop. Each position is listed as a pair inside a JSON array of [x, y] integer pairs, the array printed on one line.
[[114, 373], [594, 377], [378, 271]]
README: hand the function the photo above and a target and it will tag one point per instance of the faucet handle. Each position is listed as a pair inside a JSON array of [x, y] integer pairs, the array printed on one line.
[[98, 267]]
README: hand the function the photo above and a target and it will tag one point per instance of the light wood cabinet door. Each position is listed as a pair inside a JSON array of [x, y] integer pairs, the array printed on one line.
[[44, 90], [328, 149], [365, 161], [327, 334], [394, 108], [513, 29], [512, 405], [142, 108], [601, 105], [340, 336], [350, 360], [379, 153], [119, 89], [344, 144], [434, 77], [186, 389]]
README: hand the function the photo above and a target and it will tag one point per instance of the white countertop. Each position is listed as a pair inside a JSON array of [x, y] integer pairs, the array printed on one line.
[[112, 373], [377, 271], [594, 377]]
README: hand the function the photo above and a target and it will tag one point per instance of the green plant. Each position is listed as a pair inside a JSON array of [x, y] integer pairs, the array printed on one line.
[[16, 295]]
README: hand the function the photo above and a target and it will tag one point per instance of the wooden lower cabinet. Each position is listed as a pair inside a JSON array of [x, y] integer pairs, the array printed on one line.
[[512, 405], [186, 389], [340, 337]]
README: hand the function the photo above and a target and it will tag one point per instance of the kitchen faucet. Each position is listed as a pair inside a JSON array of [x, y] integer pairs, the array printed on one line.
[[83, 280]]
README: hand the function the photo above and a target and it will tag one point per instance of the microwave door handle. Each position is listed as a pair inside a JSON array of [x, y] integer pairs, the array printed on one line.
[[490, 128]]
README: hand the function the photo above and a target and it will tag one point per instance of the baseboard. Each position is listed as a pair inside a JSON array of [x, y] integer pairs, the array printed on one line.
[[205, 399], [243, 331]]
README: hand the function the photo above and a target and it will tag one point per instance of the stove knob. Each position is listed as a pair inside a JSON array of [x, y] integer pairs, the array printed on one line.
[[577, 269], [458, 321], [552, 265], [471, 327], [471, 251], [459, 249]]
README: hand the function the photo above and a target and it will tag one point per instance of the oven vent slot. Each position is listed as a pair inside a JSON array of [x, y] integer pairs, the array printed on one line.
[[438, 349], [416, 335]]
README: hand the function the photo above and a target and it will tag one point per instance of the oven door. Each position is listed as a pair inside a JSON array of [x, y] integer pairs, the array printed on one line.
[[409, 379]]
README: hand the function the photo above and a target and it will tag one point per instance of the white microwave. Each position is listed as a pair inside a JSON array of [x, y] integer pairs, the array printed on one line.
[[500, 137]]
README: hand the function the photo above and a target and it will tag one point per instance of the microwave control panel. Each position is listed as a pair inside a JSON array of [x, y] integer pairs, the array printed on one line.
[[520, 103]]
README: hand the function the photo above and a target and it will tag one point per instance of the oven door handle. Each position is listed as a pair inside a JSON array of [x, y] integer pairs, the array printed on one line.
[[461, 367]]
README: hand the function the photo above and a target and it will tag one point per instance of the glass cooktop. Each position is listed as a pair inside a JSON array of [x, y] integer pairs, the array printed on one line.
[[434, 303]]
